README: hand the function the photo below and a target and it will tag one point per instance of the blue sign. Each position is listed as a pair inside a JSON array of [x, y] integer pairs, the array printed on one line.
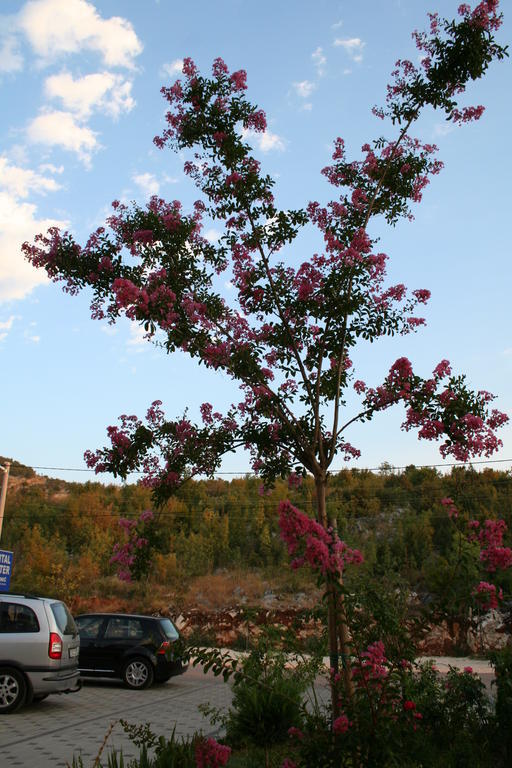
[[6, 559]]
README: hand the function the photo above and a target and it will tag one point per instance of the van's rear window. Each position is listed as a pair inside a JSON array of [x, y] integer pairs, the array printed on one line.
[[64, 619]]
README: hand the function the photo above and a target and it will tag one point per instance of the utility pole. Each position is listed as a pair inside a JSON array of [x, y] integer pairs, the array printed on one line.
[[3, 495]]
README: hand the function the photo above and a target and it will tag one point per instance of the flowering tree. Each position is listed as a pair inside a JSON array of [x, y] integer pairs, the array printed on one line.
[[287, 337], [488, 557], [133, 555]]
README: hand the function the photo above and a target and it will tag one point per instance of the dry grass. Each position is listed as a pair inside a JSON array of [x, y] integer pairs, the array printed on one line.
[[214, 592]]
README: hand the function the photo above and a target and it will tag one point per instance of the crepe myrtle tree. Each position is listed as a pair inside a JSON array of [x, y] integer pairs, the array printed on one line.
[[287, 337]]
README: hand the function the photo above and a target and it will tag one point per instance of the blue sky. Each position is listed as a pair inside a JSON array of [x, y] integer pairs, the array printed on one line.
[[80, 101]]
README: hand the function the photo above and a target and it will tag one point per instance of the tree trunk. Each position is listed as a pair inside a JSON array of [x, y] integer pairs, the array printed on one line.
[[337, 625], [332, 606], [343, 629]]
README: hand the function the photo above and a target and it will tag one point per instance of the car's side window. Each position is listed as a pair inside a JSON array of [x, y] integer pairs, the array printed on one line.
[[16, 618], [89, 627], [120, 628]]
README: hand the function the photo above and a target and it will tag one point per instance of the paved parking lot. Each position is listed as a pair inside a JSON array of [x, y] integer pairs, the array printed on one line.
[[51, 732]]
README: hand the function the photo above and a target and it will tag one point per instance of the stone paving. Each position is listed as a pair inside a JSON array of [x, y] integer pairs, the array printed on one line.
[[51, 732]]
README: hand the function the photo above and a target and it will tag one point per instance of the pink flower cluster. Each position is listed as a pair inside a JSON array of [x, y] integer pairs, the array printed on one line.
[[309, 542], [294, 480], [493, 554], [484, 15], [341, 725], [450, 507], [487, 595], [210, 754], [372, 665], [125, 554]]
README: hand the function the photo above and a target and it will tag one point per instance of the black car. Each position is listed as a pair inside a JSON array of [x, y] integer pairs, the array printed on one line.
[[138, 649]]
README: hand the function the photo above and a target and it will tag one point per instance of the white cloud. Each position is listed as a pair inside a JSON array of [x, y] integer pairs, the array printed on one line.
[[173, 68], [147, 182], [50, 168], [18, 153], [109, 330], [352, 46], [19, 182], [307, 107], [61, 129], [60, 27], [19, 222], [137, 336], [11, 59], [266, 141], [319, 60], [7, 324], [212, 235], [337, 24], [304, 89], [33, 339], [103, 91], [443, 129]]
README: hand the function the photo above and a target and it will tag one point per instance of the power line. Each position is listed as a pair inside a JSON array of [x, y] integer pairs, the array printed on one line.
[[338, 494], [241, 511], [250, 473]]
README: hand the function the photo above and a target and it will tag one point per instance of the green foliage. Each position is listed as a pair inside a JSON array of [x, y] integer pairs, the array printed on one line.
[[267, 701], [414, 717], [502, 662], [395, 518], [269, 693], [378, 609]]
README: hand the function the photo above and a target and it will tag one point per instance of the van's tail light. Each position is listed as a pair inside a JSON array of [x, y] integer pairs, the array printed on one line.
[[55, 646], [164, 648]]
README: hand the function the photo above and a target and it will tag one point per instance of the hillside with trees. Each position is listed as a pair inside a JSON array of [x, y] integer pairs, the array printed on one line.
[[64, 534]]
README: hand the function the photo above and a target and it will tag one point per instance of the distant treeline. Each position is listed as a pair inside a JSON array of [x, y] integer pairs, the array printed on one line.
[[63, 533]]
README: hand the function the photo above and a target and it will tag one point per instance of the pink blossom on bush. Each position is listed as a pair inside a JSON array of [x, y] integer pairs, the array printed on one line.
[[487, 595], [372, 665], [210, 754], [341, 725]]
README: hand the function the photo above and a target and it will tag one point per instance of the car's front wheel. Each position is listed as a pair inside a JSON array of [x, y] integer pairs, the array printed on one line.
[[13, 690], [138, 673]]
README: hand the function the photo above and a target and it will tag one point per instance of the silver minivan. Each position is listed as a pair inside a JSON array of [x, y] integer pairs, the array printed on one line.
[[39, 647]]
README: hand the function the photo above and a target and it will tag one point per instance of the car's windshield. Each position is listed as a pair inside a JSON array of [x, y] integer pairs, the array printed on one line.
[[170, 630], [64, 619]]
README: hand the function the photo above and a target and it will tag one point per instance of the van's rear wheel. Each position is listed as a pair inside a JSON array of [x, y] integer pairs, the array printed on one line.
[[13, 690]]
